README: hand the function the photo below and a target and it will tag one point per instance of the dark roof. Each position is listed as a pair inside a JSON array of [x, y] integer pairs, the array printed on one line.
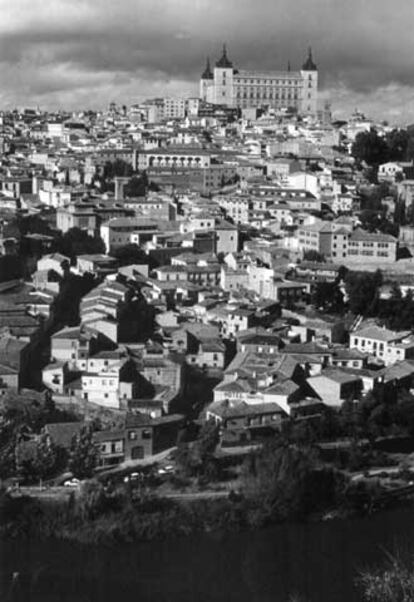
[[138, 420], [207, 73], [10, 352], [102, 436], [224, 62], [230, 409], [309, 65], [260, 339], [306, 348], [363, 235]]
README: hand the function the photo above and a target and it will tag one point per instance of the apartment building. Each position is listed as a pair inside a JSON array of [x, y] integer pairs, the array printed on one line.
[[337, 242], [384, 344], [372, 246]]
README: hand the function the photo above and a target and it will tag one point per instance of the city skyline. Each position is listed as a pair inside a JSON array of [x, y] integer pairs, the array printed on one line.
[[86, 53]]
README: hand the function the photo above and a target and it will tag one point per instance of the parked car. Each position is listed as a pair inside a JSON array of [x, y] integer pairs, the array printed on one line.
[[167, 469], [72, 483]]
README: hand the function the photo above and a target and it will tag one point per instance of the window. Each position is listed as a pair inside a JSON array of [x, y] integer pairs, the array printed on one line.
[[146, 434], [132, 435]]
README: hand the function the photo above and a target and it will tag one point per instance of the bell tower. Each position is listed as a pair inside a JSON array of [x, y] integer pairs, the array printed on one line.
[[223, 80], [309, 74], [206, 83]]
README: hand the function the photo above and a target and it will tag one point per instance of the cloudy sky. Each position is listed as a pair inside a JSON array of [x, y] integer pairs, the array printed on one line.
[[86, 53]]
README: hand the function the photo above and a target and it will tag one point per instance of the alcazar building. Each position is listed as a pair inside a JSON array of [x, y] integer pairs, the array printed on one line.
[[225, 85]]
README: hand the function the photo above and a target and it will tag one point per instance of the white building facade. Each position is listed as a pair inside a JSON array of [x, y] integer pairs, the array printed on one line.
[[225, 85]]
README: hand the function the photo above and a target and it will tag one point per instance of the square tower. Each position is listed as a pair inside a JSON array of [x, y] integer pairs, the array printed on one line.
[[223, 81], [309, 74]]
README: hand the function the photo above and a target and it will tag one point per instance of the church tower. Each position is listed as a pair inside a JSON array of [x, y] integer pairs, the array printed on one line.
[[309, 74], [207, 83], [223, 80]]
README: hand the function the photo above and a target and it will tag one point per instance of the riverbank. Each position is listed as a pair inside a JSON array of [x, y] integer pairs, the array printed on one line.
[[96, 517]]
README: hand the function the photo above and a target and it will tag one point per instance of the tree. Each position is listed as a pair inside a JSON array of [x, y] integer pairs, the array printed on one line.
[[117, 168], [287, 481], [397, 142], [92, 499], [397, 312], [136, 187], [83, 455], [130, 254], [370, 148], [78, 242], [31, 224], [198, 459], [47, 460], [72, 289], [362, 289], [328, 297], [313, 256], [392, 583]]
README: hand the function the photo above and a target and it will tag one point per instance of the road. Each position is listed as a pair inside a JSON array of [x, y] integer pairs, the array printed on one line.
[[196, 495], [375, 472], [44, 493]]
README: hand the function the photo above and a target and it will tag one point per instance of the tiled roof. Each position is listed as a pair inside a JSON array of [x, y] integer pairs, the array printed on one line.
[[227, 409], [381, 334], [363, 235]]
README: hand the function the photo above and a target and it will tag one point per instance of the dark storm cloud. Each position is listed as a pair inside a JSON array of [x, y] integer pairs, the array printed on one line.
[[136, 47]]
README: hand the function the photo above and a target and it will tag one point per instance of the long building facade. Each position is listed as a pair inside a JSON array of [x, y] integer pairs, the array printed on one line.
[[225, 85]]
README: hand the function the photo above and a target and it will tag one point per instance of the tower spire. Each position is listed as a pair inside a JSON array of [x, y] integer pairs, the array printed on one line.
[[207, 73], [224, 62], [309, 65]]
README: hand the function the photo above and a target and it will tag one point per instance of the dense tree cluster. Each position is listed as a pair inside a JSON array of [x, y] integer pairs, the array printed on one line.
[[393, 582], [197, 458], [374, 149], [136, 186], [386, 411], [314, 256], [397, 312], [362, 297], [22, 420], [45, 461], [76, 242], [362, 289], [328, 297], [286, 481], [83, 455], [371, 148], [72, 289]]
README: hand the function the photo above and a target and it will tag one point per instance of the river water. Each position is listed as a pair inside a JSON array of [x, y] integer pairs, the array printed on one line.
[[318, 561]]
